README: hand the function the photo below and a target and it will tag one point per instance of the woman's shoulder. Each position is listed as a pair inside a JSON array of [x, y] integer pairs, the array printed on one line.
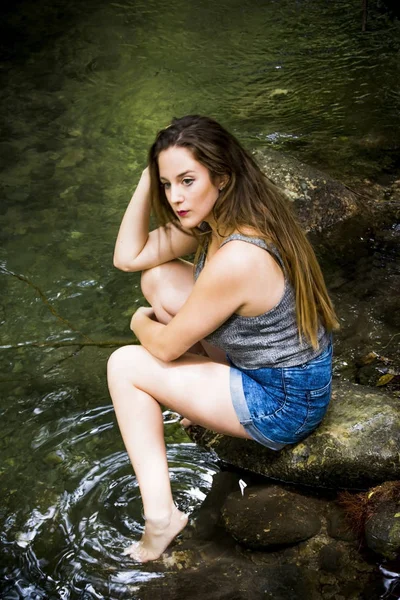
[[248, 248], [249, 235], [246, 251]]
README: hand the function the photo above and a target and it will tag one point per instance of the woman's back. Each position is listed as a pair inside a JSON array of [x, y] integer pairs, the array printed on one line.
[[268, 339]]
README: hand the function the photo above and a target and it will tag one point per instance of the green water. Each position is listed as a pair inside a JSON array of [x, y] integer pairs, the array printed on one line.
[[84, 89]]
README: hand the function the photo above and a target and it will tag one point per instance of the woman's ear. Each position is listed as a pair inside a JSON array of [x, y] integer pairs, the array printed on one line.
[[223, 182]]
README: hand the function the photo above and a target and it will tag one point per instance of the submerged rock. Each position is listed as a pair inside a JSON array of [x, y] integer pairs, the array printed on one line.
[[356, 446], [270, 516]]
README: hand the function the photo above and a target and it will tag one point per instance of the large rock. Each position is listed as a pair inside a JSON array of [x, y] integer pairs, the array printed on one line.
[[266, 517], [357, 445], [320, 202]]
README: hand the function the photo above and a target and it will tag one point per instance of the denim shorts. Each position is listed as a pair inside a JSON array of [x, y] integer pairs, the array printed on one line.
[[282, 405]]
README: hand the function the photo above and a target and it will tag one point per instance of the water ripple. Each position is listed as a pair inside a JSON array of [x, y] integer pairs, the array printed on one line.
[[84, 531]]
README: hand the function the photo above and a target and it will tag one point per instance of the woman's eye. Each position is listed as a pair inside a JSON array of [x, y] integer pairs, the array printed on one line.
[[187, 181], [166, 185]]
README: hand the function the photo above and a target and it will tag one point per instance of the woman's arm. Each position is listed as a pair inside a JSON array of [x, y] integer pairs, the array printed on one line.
[[217, 294], [136, 249]]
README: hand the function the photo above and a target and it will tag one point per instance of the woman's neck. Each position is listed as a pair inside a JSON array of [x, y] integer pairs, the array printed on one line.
[[220, 232]]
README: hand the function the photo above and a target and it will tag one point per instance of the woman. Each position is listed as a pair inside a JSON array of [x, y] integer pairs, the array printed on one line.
[[256, 305]]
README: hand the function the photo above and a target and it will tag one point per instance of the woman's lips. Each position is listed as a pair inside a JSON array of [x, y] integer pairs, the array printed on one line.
[[182, 213]]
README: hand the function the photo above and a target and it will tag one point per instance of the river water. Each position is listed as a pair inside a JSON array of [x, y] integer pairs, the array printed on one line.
[[84, 88]]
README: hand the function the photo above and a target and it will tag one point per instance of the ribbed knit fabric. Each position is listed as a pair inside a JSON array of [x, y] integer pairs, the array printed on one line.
[[270, 339]]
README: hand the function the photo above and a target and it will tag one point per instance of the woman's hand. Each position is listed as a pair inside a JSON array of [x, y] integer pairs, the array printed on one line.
[[147, 329], [143, 312]]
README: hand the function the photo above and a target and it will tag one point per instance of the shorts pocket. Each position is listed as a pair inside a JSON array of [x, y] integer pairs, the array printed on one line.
[[322, 391], [317, 405]]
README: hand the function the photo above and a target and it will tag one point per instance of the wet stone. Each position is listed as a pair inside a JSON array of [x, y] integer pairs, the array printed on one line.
[[54, 458], [270, 516], [382, 530], [338, 527], [237, 580], [330, 558], [357, 444]]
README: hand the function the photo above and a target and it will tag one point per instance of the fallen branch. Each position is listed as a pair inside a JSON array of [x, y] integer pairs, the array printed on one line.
[[61, 344], [44, 300]]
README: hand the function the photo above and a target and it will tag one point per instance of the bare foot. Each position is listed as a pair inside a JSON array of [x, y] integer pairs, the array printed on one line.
[[185, 423], [158, 534]]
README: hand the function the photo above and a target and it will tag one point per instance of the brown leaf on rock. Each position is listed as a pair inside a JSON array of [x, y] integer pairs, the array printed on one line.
[[369, 358], [385, 379]]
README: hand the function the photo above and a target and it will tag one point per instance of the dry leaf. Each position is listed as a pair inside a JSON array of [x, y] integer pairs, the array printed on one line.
[[369, 358], [384, 379]]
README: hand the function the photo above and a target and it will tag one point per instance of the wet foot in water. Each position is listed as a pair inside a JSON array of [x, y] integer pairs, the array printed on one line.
[[158, 534]]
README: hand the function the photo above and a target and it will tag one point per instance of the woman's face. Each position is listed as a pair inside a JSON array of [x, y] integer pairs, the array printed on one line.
[[187, 185]]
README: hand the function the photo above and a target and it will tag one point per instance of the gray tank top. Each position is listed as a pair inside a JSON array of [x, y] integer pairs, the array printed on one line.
[[270, 339]]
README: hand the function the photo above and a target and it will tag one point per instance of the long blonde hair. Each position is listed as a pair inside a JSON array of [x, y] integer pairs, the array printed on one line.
[[249, 200]]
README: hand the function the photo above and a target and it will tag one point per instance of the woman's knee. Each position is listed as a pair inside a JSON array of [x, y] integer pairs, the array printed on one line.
[[168, 286], [150, 282], [124, 361]]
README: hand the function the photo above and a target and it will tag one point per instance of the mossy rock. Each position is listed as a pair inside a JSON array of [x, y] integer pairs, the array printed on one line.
[[382, 530], [356, 446]]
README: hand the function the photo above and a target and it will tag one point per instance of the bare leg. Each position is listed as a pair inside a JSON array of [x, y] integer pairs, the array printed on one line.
[[141, 424], [192, 385], [139, 383]]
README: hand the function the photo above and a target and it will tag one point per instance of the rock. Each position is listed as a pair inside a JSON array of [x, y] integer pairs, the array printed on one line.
[[320, 202], [338, 527], [270, 516], [54, 458], [356, 446], [382, 530], [336, 217], [237, 580], [330, 558]]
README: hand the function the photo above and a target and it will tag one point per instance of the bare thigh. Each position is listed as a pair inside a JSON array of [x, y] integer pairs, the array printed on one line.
[[194, 386], [167, 287]]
